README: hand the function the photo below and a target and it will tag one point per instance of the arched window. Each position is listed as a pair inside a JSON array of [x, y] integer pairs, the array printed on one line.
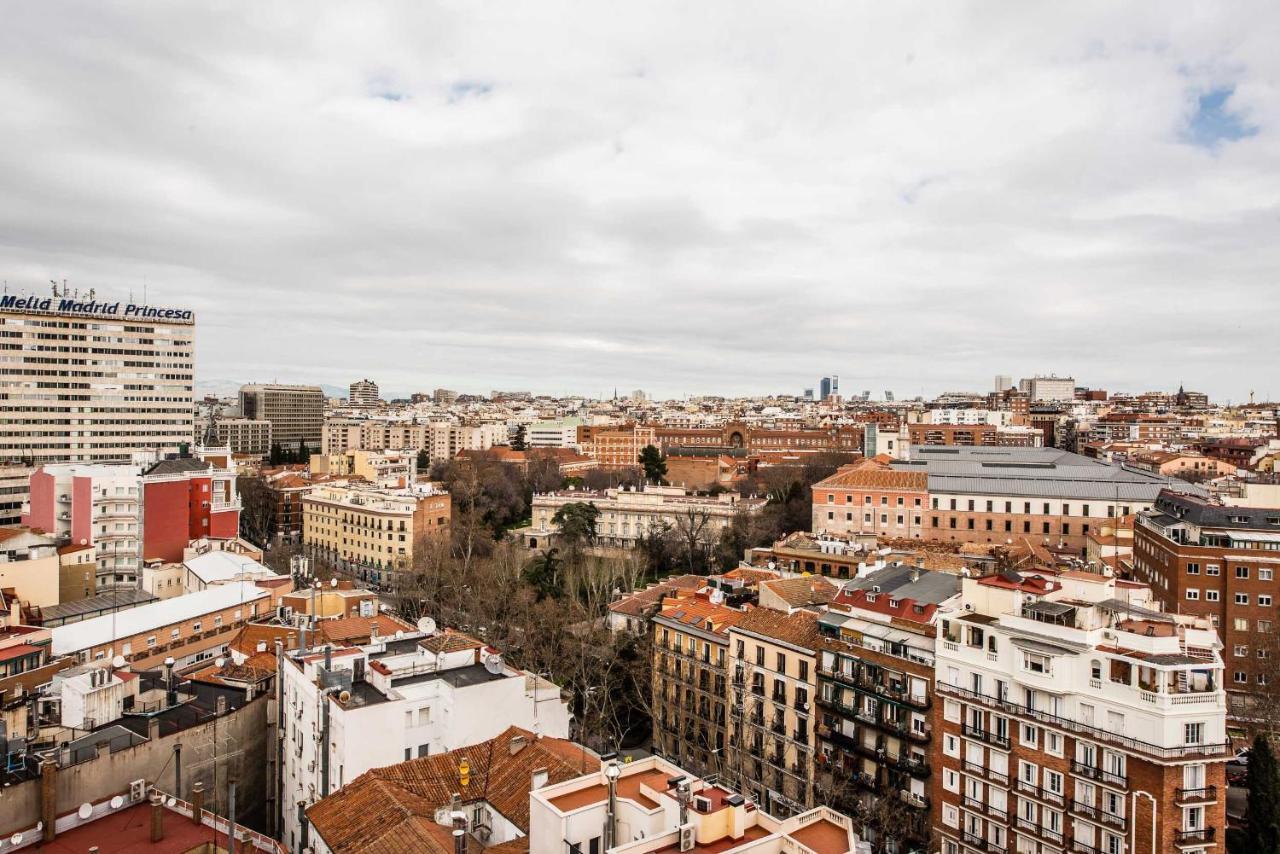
[[1095, 669]]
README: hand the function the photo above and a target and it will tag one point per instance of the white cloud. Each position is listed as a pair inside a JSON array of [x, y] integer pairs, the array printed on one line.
[[722, 197]]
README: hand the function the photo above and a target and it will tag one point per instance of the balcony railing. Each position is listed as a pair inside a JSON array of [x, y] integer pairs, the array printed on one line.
[[1208, 793], [1009, 707], [1201, 836], [1108, 777], [1053, 836], [994, 739]]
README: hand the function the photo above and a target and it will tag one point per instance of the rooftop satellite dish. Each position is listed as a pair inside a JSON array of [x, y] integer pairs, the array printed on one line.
[[399, 633], [493, 663], [16, 838], [118, 661], [172, 801], [117, 802], [717, 596], [426, 625], [344, 697], [85, 810], [333, 582]]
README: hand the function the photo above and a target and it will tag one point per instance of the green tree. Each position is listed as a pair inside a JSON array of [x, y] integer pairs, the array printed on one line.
[[577, 521], [543, 573], [424, 461], [655, 465], [1263, 832], [518, 442]]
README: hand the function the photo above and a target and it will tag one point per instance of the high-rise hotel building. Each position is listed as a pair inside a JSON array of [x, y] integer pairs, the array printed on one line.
[[91, 380]]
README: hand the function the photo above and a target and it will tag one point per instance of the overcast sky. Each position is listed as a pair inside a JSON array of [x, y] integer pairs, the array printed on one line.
[[690, 198]]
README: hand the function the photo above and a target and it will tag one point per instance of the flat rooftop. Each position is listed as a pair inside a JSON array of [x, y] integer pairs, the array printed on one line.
[[727, 843], [628, 787]]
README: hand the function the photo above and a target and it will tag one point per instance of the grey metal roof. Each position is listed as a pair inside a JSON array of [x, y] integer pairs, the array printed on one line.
[[1036, 473], [124, 598], [930, 588]]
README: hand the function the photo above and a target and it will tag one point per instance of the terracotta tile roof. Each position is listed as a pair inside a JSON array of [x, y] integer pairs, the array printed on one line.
[[886, 603], [347, 629], [450, 641], [698, 612], [873, 474], [71, 548], [392, 809], [641, 602], [749, 575], [804, 590], [798, 629], [247, 639]]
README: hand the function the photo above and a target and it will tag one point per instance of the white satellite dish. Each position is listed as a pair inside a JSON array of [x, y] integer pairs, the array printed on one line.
[[333, 582], [117, 802], [399, 633], [118, 661], [426, 625], [171, 802], [717, 597], [493, 663], [85, 810], [16, 838]]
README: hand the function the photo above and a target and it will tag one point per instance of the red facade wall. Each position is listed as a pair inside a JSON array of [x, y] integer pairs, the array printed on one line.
[[198, 513], [42, 502], [81, 510], [166, 520], [224, 525]]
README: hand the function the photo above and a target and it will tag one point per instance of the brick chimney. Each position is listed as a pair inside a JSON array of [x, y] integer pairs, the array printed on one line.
[[49, 798], [197, 802], [157, 817]]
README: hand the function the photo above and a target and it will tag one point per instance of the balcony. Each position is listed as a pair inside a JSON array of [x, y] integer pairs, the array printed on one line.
[[1089, 811], [1091, 732], [911, 799], [1043, 794], [914, 767], [1203, 836], [1054, 837], [1191, 796], [994, 739]]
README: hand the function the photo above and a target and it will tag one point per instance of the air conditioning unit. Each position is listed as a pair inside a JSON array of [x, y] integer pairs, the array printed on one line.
[[968, 606], [137, 791], [701, 804], [686, 838]]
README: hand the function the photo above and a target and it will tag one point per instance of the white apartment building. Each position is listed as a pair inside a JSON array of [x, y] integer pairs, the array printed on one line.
[[93, 504], [363, 394], [967, 417], [89, 380], [398, 698], [628, 514], [1077, 717], [553, 434], [1050, 389], [651, 805], [441, 439]]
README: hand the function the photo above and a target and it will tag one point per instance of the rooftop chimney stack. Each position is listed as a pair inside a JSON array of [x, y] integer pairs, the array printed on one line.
[[157, 818]]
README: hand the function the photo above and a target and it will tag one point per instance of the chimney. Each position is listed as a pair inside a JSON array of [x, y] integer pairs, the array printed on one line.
[[153, 728], [197, 802], [157, 818], [517, 744], [49, 798], [540, 776]]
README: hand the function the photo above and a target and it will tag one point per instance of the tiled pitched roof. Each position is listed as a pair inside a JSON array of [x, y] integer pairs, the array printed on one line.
[[450, 641], [250, 635], [392, 809], [798, 629], [639, 603], [873, 474], [697, 612], [345, 629], [803, 590]]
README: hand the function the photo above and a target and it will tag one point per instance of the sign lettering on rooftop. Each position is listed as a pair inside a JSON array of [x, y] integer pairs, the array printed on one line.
[[94, 308]]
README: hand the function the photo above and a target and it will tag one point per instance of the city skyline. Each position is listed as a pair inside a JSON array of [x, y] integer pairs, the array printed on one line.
[[492, 199]]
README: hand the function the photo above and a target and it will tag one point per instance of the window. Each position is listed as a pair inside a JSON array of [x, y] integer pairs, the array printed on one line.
[[1264, 574], [1240, 624], [1242, 598], [1264, 600], [1240, 677], [151, 641], [1028, 735], [1053, 743], [1211, 569], [1193, 733], [195, 627], [950, 780], [1211, 596], [1193, 593], [781, 663], [950, 815], [1035, 662], [173, 633], [1242, 572], [951, 746], [1193, 569], [1240, 651], [1264, 626]]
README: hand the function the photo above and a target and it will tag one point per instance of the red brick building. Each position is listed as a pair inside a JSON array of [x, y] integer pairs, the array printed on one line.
[[869, 497], [186, 499]]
